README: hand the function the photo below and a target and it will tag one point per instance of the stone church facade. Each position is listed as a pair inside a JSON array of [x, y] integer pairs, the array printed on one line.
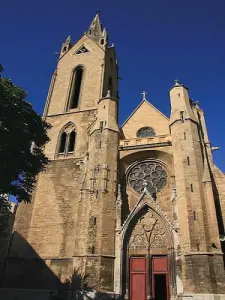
[[137, 211]]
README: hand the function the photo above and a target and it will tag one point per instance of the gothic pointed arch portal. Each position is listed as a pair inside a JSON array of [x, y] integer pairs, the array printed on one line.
[[148, 256]]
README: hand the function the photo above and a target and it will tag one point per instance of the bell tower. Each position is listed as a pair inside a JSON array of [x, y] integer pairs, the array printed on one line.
[[71, 221]]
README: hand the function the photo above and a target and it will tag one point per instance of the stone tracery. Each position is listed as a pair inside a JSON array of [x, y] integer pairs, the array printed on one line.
[[150, 172], [147, 233]]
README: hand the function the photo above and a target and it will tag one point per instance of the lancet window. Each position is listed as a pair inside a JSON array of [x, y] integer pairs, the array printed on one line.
[[75, 88]]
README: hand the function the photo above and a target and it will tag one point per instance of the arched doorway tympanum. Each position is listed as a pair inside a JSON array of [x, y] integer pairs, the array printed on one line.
[[148, 257]]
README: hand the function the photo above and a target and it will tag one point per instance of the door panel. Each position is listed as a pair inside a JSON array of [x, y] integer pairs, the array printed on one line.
[[160, 264], [138, 264], [138, 286], [138, 278]]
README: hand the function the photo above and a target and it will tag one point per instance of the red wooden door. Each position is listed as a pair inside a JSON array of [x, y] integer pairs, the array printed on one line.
[[138, 278], [160, 278]]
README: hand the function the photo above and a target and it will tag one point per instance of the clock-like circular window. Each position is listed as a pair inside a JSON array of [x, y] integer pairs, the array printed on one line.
[[145, 132], [149, 173]]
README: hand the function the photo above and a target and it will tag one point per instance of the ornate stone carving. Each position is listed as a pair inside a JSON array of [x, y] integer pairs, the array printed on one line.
[[148, 233]]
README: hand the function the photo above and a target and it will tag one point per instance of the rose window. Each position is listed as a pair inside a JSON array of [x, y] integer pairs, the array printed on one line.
[[150, 174]]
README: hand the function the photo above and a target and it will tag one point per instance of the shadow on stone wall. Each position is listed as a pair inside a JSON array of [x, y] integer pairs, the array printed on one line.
[[219, 215], [24, 270]]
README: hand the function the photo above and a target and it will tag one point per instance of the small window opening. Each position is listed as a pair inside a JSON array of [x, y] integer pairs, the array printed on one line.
[[178, 94], [75, 88], [104, 107], [64, 49], [93, 250], [62, 143], [102, 41], [100, 145], [110, 86], [97, 170], [94, 221], [188, 161], [96, 195], [182, 116], [89, 31], [105, 122], [185, 136], [192, 189], [71, 141], [198, 248], [101, 126], [194, 215], [82, 50]]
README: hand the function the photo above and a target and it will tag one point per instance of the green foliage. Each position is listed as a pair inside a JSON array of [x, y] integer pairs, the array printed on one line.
[[21, 129]]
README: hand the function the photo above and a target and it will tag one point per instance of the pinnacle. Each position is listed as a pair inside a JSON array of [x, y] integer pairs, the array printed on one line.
[[68, 40]]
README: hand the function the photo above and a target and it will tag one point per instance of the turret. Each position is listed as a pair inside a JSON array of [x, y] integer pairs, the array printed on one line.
[[107, 114], [180, 104]]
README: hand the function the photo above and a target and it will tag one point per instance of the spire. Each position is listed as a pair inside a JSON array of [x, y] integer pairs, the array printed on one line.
[[95, 30]]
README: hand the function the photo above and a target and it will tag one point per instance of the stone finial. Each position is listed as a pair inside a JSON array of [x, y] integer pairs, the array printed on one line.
[[176, 82], [144, 93]]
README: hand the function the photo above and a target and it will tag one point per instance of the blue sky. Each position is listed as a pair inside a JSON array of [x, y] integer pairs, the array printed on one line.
[[156, 42]]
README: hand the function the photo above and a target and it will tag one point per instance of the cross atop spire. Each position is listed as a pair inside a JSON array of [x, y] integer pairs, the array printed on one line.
[[144, 93]]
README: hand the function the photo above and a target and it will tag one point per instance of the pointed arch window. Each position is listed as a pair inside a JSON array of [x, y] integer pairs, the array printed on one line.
[[75, 88], [72, 138], [67, 141], [62, 145]]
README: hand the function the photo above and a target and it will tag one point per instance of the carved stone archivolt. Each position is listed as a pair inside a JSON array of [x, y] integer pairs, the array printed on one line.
[[148, 234]]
